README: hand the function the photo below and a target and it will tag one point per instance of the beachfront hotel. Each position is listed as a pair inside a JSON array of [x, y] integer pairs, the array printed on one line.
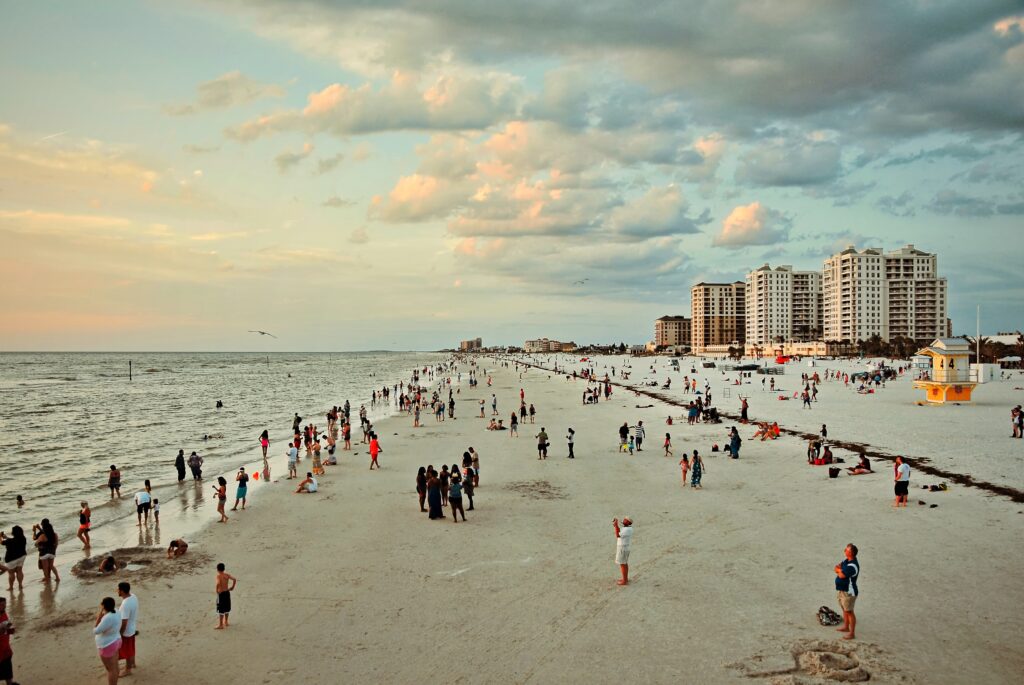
[[545, 345], [718, 317], [782, 305], [889, 294], [671, 331], [473, 345]]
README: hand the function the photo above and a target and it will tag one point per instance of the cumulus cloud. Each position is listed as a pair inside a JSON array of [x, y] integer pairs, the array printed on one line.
[[449, 102], [359, 236], [326, 164], [286, 160], [790, 162], [901, 205], [417, 198], [227, 90], [336, 202], [752, 224], [955, 203], [661, 211]]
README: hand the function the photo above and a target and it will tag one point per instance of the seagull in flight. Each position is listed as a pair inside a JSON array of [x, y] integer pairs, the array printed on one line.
[[580, 282], [264, 333]]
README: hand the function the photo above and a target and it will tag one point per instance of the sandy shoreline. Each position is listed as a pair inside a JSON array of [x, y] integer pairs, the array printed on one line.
[[355, 585]]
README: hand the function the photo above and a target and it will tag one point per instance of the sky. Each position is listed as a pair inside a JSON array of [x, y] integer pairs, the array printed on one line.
[[403, 175]]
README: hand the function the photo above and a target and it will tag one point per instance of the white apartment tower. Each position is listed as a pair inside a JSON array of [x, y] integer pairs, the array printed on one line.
[[782, 305], [886, 294]]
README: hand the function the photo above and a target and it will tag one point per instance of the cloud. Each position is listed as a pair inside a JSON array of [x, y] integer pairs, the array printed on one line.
[[955, 203], [227, 90], [286, 160], [661, 211], [418, 197], [327, 164], [789, 162], [336, 202], [200, 149], [359, 236], [900, 206], [449, 102], [752, 224], [963, 152]]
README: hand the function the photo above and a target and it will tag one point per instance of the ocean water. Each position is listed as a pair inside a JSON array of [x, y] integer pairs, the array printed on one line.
[[66, 417]]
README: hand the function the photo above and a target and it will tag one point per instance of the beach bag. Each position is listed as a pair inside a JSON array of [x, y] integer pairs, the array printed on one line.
[[827, 617], [833, 472]]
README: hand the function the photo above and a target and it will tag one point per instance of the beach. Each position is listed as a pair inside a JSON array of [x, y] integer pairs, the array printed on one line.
[[354, 584]]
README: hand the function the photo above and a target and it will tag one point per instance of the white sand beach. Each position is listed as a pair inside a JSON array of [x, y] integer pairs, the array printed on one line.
[[354, 584]]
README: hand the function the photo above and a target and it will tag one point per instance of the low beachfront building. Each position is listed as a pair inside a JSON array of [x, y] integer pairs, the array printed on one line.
[[672, 331]]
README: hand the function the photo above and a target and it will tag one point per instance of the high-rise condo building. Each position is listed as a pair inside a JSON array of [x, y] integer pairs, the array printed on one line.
[[718, 316], [782, 305], [672, 330]]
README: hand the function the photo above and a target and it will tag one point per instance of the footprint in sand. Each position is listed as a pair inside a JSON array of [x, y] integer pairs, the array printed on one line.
[[821, 662]]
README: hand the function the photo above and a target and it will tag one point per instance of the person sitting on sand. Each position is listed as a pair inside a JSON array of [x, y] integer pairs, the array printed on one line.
[[763, 431], [308, 486], [493, 425], [108, 565], [864, 466], [826, 455], [177, 548]]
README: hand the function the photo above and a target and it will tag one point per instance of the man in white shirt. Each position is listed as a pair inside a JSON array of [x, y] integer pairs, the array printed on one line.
[[293, 458], [129, 622], [902, 487], [623, 540], [143, 503]]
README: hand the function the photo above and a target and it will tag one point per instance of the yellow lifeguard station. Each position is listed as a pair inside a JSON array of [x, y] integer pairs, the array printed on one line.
[[949, 379]]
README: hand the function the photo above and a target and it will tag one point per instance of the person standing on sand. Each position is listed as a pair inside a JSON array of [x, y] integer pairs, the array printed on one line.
[[668, 447], [195, 464], [494, 401], [15, 553], [847, 572], [571, 438], [46, 542], [225, 584], [542, 444], [375, 449], [143, 503], [744, 406], [623, 542], [684, 465], [455, 498], [421, 486], [107, 631], [129, 611], [293, 458], [242, 478], [6, 654], [264, 442], [179, 464], [902, 478], [639, 433], [435, 508], [696, 471]]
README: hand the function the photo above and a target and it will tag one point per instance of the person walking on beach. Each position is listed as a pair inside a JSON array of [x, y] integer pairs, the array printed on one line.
[[684, 466], [46, 542], [513, 426], [129, 611], [902, 482], [623, 436], [847, 572], [264, 442], [293, 459], [623, 542], [6, 654], [179, 465], [455, 498], [107, 631], [114, 482], [533, 413], [375, 450], [222, 496], [195, 464], [15, 553], [696, 471], [542, 444], [668, 445], [242, 491], [639, 433], [571, 438], [734, 443], [494, 403], [225, 584]]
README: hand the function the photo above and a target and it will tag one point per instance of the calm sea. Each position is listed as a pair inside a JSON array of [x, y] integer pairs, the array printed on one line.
[[66, 417]]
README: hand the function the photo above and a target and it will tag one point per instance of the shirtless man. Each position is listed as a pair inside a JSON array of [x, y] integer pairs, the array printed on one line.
[[177, 548], [225, 584]]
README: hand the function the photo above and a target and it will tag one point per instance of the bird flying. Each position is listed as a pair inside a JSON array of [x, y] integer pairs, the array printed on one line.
[[264, 333]]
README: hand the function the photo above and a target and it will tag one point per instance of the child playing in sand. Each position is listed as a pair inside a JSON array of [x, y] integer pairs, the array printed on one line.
[[177, 548], [225, 584], [156, 511], [632, 444]]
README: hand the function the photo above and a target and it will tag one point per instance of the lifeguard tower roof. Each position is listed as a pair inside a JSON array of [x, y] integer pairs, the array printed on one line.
[[949, 345]]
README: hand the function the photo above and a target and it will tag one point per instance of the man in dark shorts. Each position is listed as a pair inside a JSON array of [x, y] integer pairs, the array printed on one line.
[[542, 444], [902, 482], [847, 572], [225, 584]]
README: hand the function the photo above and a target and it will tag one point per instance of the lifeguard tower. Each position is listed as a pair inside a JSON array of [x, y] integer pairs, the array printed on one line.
[[949, 379]]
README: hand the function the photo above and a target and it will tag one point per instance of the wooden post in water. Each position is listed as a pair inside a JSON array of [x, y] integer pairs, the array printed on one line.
[[129, 369]]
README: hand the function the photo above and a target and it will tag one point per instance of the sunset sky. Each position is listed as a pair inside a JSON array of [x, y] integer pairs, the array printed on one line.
[[403, 175]]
